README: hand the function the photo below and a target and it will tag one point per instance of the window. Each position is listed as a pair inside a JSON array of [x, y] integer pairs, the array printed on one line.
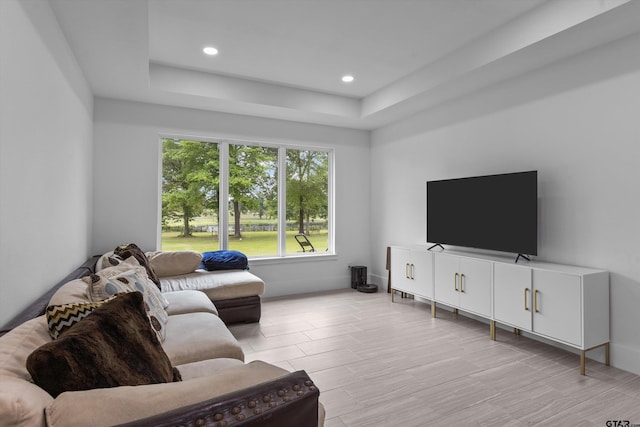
[[307, 198], [253, 200], [210, 187]]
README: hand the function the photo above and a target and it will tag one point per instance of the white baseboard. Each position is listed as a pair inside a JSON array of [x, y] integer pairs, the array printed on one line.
[[626, 358]]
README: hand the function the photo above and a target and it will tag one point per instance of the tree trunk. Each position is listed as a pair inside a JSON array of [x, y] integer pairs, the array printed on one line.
[[186, 232], [308, 225], [301, 217], [236, 220]]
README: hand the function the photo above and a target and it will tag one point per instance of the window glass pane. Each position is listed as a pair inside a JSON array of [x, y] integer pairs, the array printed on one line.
[[253, 200], [190, 190], [307, 201]]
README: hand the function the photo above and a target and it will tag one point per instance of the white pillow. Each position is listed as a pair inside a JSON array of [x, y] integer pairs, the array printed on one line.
[[174, 263], [130, 276]]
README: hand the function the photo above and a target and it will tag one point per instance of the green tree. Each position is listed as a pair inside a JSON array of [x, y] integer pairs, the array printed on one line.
[[307, 186], [190, 171], [249, 179]]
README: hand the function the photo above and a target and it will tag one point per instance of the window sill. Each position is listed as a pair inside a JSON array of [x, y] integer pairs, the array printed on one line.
[[293, 259]]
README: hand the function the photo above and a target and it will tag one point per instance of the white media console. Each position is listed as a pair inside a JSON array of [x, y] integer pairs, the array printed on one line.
[[562, 303]]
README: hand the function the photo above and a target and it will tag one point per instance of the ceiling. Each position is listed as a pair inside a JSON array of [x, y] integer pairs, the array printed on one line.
[[284, 58]]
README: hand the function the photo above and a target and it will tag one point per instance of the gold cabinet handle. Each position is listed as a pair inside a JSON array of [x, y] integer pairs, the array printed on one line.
[[526, 306], [535, 301], [406, 270], [461, 283], [412, 269], [455, 282]]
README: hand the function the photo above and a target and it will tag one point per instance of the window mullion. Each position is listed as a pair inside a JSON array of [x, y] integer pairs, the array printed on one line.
[[223, 206], [282, 201], [331, 202]]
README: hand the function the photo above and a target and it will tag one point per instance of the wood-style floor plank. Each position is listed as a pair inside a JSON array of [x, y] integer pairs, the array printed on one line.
[[379, 363]]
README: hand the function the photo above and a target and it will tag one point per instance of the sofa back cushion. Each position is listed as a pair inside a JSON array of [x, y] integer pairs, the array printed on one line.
[[113, 346], [74, 291], [174, 263]]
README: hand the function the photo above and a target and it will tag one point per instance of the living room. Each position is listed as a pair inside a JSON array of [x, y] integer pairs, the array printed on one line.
[[79, 167]]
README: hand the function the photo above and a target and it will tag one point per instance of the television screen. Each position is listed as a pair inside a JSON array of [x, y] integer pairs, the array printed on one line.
[[495, 212]]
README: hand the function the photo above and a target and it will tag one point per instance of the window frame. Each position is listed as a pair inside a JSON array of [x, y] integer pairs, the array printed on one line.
[[223, 208]]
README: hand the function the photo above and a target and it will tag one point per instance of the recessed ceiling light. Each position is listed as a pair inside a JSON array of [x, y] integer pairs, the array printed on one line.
[[347, 79], [209, 50]]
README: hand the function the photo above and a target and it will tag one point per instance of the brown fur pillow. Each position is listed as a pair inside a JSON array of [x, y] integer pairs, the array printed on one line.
[[113, 346]]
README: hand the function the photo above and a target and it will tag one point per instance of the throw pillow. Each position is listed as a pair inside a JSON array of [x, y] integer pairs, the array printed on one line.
[[115, 346], [109, 282], [108, 259], [174, 263], [113, 264], [224, 260], [131, 249], [61, 317]]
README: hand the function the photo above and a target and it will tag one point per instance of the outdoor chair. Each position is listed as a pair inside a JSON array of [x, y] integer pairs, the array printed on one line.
[[304, 243]]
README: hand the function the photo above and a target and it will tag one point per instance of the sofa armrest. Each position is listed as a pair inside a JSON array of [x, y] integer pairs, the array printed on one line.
[[291, 400]]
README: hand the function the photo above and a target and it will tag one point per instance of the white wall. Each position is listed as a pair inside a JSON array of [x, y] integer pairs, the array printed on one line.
[[45, 156], [576, 122], [127, 170]]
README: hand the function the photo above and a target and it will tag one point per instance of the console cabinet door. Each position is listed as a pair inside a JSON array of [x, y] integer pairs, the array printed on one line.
[[513, 295], [557, 308], [447, 279], [400, 270], [412, 271], [422, 273], [463, 283], [475, 286]]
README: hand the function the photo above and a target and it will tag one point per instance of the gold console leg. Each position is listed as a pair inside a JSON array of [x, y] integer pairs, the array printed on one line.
[[455, 311], [492, 330], [607, 356], [392, 293], [433, 309], [516, 331]]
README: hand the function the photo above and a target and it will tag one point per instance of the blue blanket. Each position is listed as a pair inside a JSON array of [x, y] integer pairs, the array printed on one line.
[[224, 260]]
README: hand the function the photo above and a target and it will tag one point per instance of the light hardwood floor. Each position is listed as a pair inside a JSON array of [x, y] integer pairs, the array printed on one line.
[[379, 363]]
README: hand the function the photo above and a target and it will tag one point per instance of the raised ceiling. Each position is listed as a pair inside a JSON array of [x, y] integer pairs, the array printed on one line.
[[284, 58]]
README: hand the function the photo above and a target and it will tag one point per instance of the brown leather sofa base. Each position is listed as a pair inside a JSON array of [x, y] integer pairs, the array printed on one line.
[[239, 310], [289, 401]]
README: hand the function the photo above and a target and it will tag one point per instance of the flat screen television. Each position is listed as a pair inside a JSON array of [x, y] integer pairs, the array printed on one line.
[[494, 212]]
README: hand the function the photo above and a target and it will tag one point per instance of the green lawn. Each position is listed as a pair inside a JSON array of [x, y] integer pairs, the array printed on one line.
[[252, 244]]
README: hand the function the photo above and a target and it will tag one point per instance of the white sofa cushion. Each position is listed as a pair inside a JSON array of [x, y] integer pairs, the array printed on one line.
[[203, 368], [182, 302], [218, 285], [198, 336]]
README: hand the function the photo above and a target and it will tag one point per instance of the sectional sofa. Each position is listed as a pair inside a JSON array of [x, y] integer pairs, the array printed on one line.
[[94, 373]]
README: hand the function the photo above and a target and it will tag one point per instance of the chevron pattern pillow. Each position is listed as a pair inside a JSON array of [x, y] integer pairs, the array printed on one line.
[[61, 317]]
